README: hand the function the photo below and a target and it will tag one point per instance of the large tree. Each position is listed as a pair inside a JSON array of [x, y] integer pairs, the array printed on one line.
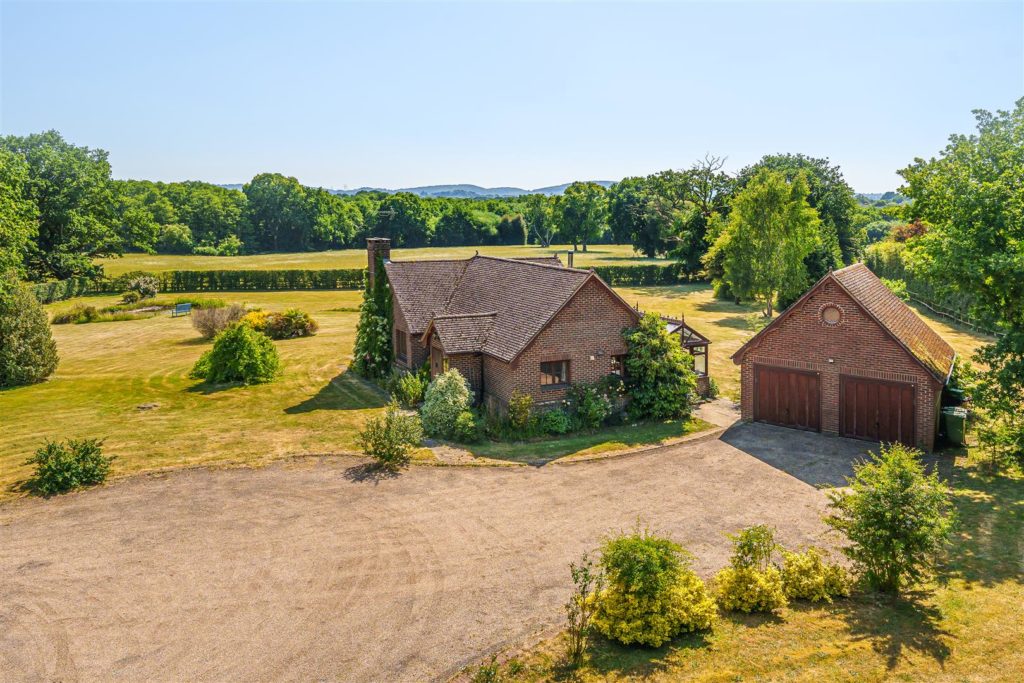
[[537, 210], [831, 196], [770, 232], [582, 213], [406, 219], [973, 197], [72, 190], [17, 213], [278, 212]]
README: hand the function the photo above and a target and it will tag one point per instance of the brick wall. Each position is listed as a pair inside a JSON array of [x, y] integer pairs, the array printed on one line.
[[857, 346], [587, 333]]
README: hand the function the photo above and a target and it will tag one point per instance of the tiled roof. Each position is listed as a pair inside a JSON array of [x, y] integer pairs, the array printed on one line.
[[423, 288], [463, 333], [898, 318], [522, 295]]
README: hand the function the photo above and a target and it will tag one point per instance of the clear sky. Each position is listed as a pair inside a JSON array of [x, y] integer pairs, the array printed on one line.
[[523, 94]]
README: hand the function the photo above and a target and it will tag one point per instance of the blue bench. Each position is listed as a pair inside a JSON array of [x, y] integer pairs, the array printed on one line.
[[181, 309]]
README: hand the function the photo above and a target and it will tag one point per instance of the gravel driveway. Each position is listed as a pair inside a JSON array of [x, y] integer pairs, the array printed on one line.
[[310, 571]]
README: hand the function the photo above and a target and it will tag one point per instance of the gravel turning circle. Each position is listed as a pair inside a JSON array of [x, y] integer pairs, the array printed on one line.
[[310, 571]]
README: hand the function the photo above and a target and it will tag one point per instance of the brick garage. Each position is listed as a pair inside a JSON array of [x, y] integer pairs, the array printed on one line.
[[851, 359]]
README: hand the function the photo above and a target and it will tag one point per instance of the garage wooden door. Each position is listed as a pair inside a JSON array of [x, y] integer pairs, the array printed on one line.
[[875, 410], [787, 397]]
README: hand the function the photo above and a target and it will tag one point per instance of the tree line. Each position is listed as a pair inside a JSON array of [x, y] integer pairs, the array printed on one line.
[[61, 209]]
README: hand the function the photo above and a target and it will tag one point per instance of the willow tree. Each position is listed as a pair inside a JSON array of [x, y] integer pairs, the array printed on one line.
[[770, 232]]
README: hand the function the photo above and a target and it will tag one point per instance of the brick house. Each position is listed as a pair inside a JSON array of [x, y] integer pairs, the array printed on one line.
[[849, 358], [530, 325]]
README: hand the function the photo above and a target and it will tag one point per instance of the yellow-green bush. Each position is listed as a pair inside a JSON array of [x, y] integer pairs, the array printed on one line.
[[652, 594], [257, 320], [808, 576], [747, 589]]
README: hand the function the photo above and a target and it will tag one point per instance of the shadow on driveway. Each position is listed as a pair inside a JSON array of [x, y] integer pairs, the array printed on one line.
[[812, 458]]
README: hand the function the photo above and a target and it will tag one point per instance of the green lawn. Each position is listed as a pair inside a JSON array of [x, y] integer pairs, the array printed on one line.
[[596, 255], [586, 444], [966, 626], [107, 370]]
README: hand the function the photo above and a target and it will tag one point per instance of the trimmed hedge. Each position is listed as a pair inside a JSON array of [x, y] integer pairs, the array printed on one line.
[[618, 276], [271, 280], [59, 290]]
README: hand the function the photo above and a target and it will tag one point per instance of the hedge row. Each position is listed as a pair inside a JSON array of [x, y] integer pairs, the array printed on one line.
[[259, 280], [621, 276], [59, 290], [271, 280]]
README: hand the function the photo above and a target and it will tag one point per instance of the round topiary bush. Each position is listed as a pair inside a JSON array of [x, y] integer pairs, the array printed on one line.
[[239, 354], [28, 353], [446, 398]]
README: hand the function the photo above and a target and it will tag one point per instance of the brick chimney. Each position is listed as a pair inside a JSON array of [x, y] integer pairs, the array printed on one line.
[[376, 247]]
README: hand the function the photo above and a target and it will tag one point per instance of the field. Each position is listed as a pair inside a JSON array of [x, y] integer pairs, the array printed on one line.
[[596, 255], [111, 375]]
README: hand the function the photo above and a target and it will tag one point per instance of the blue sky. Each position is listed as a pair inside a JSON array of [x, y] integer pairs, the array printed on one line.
[[524, 94]]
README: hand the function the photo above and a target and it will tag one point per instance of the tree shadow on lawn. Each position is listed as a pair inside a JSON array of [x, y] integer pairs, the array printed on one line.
[[607, 656], [896, 628], [989, 542], [347, 391]]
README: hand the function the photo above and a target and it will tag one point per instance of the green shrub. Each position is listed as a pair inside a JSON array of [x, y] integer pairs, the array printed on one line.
[[62, 467], [131, 297], [713, 390], [79, 313], [589, 405], [652, 595], [746, 589], [445, 399], [390, 438], [660, 376], [210, 322], [752, 583], [896, 517], [467, 428], [808, 576], [520, 409], [588, 584], [555, 422], [239, 354], [897, 287], [28, 353], [408, 388], [290, 324]]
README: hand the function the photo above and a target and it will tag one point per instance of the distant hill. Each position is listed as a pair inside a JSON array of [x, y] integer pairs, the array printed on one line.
[[462, 191]]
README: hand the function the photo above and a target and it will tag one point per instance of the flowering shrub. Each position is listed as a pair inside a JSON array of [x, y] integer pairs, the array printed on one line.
[[652, 595], [807, 576], [445, 399], [589, 405], [290, 324], [144, 286]]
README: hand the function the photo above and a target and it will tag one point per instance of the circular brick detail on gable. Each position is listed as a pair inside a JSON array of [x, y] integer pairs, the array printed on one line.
[[830, 315]]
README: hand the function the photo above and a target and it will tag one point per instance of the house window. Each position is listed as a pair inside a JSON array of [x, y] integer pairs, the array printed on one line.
[[619, 366], [554, 373], [401, 345], [700, 359]]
